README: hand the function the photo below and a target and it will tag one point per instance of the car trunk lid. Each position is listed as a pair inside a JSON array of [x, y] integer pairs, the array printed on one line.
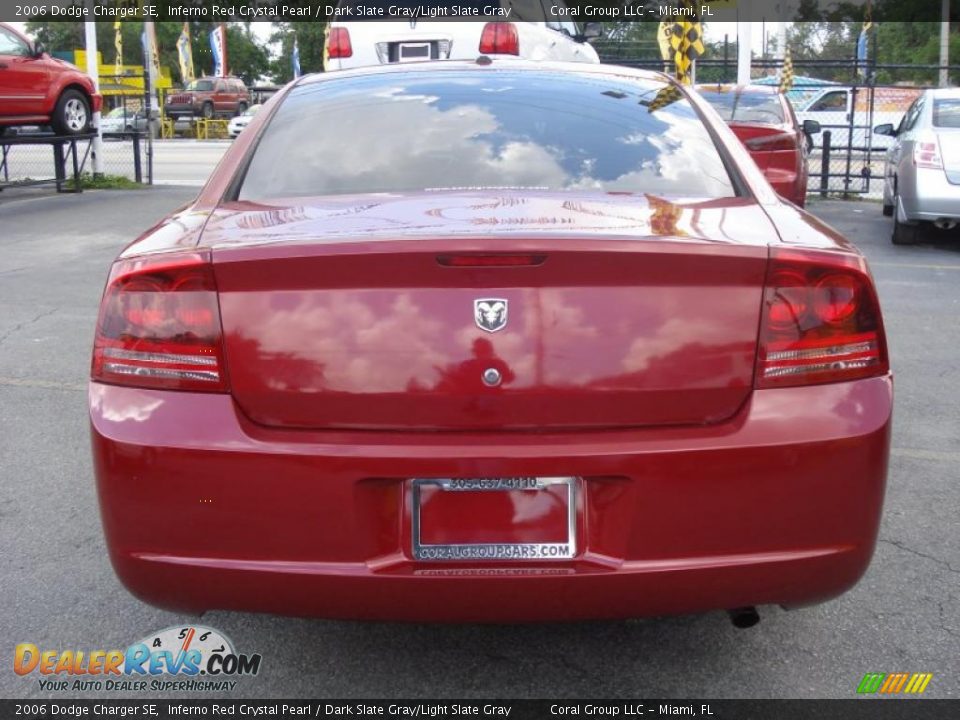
[[460, 312]]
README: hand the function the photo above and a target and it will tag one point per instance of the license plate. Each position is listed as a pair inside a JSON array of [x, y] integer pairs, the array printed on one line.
[[410, 52], [468, 519]]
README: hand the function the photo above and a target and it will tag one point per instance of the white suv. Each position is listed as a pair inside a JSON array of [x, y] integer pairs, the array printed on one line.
[[354, 40]]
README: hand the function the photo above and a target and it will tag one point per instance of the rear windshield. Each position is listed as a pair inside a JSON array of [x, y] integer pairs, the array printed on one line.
[[466, 130], [754, 107], [946, 113]]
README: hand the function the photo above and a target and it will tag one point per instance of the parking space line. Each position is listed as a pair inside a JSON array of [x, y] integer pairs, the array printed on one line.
[[914, 265], [919, 454], [45, 384]]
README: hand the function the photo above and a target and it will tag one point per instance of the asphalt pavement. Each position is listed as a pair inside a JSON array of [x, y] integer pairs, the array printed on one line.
[[59, 591]]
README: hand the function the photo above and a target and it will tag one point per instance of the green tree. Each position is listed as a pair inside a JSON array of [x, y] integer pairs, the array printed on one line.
[[310, 38], [916, 43]]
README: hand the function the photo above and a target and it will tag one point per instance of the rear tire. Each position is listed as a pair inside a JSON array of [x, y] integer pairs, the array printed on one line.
[[241, 109], [207, 111], [71, 116], [903, 234]]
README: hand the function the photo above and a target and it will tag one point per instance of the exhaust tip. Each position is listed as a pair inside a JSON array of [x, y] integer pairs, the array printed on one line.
[[945, 223], [745, 617]]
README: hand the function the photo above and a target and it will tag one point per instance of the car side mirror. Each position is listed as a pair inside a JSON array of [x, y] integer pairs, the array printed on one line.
[[38, 50], [885, 129], [811, 127], [591, 31]]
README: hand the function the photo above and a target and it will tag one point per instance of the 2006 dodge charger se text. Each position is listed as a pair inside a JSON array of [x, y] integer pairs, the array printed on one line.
[[489, 341]]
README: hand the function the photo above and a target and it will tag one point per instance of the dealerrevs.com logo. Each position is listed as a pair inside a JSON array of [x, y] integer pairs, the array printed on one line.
[[177, 659]]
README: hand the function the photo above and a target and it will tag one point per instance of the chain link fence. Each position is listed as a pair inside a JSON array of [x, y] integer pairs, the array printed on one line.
[[29, 155]]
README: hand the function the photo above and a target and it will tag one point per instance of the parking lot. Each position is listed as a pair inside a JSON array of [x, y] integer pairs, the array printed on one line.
[[60, 592]]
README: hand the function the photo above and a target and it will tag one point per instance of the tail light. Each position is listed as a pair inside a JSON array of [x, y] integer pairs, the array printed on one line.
[[768, 143], [926, 153], [821, 322], [159, 326], [500, 38], [338, 43]]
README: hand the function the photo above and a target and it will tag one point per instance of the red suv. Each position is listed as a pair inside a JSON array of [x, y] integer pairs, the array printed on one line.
[[36, 89], [209, 97]]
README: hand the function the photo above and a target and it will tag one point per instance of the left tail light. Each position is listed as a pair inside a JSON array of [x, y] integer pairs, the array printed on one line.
[[499, 38], [159, 326], [338, 43], [821, 321]]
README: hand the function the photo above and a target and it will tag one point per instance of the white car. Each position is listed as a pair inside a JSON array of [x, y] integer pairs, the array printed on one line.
[[241, 121], [355, 41], [836, 108], [922, 170], [120, 120]]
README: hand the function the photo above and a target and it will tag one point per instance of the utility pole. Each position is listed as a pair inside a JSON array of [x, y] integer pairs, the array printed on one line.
[[944, 43], [93, 70], [744, 41], [149, 66]]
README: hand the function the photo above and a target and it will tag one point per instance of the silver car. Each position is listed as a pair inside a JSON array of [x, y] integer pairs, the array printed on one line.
[[922, 173], [120, 121]]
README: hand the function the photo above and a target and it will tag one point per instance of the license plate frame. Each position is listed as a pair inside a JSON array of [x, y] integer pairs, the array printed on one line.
[[418, 46], [494, 551]]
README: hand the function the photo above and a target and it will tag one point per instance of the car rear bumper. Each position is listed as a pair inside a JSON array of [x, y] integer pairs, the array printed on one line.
[[176, 110], [934, 197], [202, 509]]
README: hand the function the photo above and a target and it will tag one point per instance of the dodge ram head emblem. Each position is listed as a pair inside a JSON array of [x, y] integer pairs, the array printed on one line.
[[490, 313]]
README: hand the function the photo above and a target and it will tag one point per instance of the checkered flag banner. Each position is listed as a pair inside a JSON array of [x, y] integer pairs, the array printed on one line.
[[668, 95], [786, 72], [687, 44]]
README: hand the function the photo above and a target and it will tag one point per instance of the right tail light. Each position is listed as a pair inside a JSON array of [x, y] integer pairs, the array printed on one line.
[[500, 38], [769, 143], [338, 43], [821, 321]]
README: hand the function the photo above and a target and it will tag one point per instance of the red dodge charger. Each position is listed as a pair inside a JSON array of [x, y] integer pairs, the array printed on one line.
[[489, 342]]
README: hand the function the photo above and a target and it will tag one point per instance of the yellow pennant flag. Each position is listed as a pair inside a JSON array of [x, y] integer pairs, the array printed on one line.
[[786, 72], [664, 36], [118, 44], [185, 55], [687, 44]]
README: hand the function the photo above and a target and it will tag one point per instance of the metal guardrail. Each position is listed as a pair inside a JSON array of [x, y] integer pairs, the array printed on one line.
[[200, 128], [64, 149], [211, 129]]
